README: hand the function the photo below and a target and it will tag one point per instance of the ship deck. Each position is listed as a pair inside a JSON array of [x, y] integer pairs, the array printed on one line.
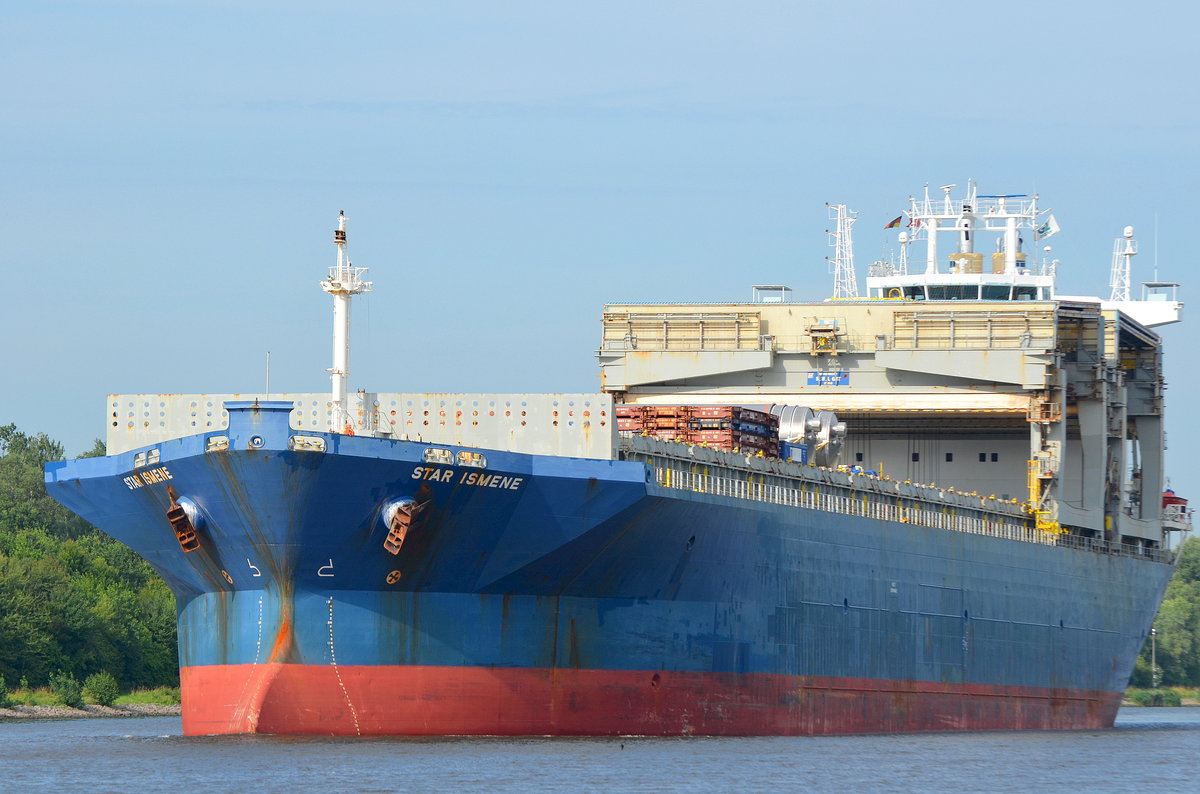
[[685, 468]]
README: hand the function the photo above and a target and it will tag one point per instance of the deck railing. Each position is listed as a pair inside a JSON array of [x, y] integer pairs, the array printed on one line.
[[834, 498]]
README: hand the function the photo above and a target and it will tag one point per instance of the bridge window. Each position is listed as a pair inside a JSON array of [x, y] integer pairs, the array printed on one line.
[[954, 292]]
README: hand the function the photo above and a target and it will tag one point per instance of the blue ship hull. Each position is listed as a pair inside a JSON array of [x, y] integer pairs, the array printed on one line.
[[549, 595]]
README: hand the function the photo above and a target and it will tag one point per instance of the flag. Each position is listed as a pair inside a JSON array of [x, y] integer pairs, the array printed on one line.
[[1048, 227], [914, 223], [895, 223]]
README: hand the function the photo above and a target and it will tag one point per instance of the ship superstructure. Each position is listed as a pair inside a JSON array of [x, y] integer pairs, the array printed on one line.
[[971, 373], [983, 544]]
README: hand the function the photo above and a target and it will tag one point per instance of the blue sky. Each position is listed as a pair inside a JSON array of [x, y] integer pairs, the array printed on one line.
[[172, 171]]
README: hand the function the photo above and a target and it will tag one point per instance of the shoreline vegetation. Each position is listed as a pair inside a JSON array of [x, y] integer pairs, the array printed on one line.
[[43, 703], [22, 713], [79, 613], [1165, 696]]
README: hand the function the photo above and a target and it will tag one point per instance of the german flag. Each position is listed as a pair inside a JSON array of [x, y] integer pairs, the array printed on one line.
[[896, 223]]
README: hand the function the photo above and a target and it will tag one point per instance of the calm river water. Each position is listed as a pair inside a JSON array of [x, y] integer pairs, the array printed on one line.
[[1150, 750]]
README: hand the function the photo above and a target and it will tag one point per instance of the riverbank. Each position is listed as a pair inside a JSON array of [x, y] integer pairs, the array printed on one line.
[[1165, 696], [21, 713]]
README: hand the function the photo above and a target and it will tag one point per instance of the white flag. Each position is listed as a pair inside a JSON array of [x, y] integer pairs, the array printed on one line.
[[1048, 227]]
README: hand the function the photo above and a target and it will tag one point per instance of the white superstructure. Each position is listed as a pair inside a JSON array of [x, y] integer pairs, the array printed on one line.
[[967, 371], [1007, 222], [1004, 273]]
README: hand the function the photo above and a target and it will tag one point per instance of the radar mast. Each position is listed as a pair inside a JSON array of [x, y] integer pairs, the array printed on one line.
[[845, 280], [344, 282], [1124, 249]]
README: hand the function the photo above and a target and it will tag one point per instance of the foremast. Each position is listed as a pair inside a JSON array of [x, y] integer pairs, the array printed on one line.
[[344, 282]]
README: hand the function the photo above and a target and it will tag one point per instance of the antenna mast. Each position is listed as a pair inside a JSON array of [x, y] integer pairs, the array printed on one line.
[[344, 282], [1124, 249], [845, 281]]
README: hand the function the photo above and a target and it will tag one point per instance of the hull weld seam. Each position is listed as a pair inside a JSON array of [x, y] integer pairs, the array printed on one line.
[[241, 712], [338, 673]]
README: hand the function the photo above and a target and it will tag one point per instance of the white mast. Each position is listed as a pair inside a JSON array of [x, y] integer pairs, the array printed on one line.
[[845, 280], [1124, 249], [343, 283], [931, 228], [1159, 304]]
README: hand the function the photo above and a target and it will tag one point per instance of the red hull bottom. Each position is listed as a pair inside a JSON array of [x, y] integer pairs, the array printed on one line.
[[433, 701]]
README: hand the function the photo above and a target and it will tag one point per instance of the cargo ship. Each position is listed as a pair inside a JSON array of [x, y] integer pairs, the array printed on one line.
[[934, 506]]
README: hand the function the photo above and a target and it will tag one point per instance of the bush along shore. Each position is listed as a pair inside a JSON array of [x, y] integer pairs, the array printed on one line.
[[97, 697], [1165, 696]]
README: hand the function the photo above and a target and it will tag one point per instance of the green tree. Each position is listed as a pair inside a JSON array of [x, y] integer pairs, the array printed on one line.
[[24, 503], [102, 688], [40, 447], [1187, 569], [99, 449], [71, 598], [1177, 626], [67, 687]]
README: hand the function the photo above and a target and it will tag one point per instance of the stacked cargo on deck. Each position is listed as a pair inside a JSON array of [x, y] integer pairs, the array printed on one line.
[[724, 427]]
